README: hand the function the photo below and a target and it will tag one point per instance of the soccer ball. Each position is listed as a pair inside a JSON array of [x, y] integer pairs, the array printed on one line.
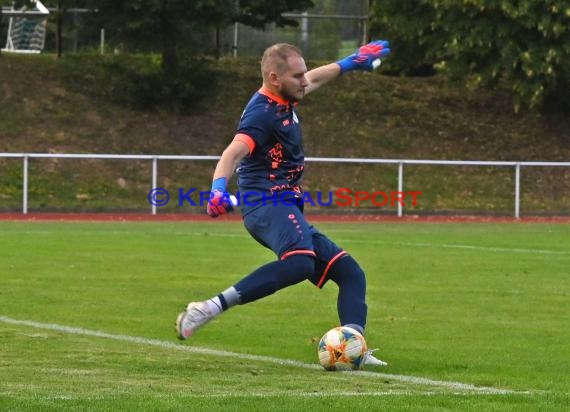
[[342, 349]]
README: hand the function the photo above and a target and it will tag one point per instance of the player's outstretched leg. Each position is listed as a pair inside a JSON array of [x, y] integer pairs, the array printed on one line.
[[198, 314], [262, 282], [193, 317]]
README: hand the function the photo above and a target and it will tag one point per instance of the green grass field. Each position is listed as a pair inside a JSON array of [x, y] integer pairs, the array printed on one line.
[[469, 316]]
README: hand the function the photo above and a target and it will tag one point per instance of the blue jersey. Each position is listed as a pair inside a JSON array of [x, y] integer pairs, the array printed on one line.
[[272, 173], [271, 129]]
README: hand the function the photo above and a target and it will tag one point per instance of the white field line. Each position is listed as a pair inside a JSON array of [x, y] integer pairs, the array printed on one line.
[[280, 394], [484, 248], [413, 244], [338, 241], [455, 386], [328, 394]]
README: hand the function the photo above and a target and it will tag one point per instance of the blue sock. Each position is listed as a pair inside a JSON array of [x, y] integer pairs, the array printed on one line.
[[356, 327], [273, 276], [351, 302]]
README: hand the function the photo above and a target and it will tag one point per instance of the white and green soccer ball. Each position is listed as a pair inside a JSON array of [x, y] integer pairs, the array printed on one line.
[[342, 348]]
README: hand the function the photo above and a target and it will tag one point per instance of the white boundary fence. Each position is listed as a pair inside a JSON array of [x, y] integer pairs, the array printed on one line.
[[400, 162]]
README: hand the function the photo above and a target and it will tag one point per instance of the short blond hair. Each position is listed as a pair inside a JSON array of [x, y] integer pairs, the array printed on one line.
[[275, 58]]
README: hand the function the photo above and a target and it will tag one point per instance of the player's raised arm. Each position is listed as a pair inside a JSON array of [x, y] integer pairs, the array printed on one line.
[[320, 76], [220, 202], [365, 58]]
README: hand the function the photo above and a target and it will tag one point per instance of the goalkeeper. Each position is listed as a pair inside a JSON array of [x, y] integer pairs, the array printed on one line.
[[268, 147]]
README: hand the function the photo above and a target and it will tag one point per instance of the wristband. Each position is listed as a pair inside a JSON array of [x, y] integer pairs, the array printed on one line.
[[346, 64], [219, 184]]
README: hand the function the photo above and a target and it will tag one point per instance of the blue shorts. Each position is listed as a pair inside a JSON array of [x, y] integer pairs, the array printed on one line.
[[284, 229]]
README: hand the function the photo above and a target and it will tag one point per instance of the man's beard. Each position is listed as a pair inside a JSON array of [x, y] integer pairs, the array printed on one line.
[[290, 97]]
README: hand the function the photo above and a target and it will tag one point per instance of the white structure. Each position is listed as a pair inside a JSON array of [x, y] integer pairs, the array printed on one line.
[[517, 166], [26, 29]]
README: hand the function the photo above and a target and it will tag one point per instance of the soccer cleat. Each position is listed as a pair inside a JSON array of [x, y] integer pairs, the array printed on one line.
[[194, 316], [373, 360]]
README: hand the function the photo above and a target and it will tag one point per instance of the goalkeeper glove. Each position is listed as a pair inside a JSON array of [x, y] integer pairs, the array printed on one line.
[[220, 201], [363, 58]]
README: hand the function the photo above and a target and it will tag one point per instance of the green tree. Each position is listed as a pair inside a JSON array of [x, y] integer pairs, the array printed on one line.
[[258, 13], [409, 27], [168, 27], [164, 25], [526, 43]]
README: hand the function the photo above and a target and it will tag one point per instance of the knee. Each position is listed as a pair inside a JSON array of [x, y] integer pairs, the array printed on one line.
[[347, 269]]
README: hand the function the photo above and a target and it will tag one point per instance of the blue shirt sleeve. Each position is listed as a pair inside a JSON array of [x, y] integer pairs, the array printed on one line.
[[257, 123]]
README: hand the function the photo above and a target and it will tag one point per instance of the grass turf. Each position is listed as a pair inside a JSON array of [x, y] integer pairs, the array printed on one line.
[[480, 304]]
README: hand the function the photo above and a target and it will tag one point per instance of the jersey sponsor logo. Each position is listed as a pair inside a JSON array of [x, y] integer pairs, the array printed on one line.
[[295, 174], [286, 188], [276, 153]]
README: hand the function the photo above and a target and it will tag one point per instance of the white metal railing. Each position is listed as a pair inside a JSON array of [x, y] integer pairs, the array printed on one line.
[[400, 162]]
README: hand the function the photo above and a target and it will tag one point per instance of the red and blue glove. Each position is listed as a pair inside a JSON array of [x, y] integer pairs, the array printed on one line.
[[363, 58], [220, 201]]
